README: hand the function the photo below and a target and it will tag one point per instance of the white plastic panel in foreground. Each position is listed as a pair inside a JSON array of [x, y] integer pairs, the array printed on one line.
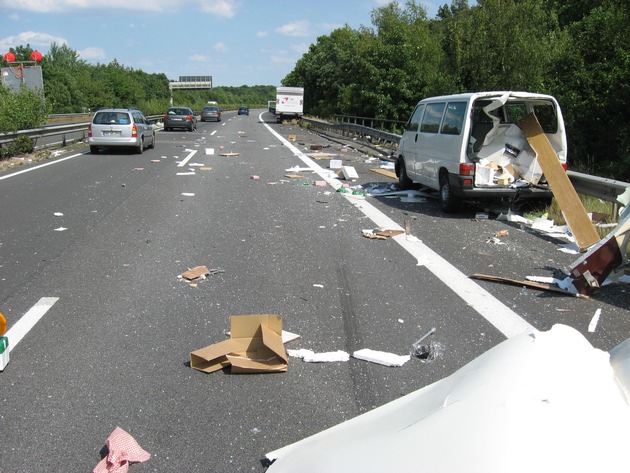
[[543, 402]]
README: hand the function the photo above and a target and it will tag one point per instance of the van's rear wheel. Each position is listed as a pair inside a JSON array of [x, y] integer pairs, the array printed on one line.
[[448, 201], [401, 171]]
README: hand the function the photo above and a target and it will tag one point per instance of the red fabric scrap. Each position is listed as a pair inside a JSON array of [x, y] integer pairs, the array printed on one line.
[[123, 450]]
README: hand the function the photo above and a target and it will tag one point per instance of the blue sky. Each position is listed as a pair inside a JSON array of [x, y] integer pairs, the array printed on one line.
[[237, 42]]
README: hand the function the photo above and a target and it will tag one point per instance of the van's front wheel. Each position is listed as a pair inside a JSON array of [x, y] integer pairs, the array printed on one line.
[[401, 171], [448, 201]]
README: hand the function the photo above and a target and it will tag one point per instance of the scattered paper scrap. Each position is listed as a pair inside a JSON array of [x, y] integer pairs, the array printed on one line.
[[60, 229], [311, 357], [209, 151], [292, 137], [593, 324], [254, 177], [188, 194], [156, 161], [294, 176], [123, 450], [205, 168], [138, 169], [186, 173], [58, 214], [381, 357], [230, 154]]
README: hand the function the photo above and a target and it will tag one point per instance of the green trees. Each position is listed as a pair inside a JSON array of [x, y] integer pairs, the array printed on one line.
[[576, 50]]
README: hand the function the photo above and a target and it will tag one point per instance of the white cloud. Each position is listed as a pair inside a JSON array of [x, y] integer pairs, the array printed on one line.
[[224, 8], [199, 58], [221, 47], [262, 34], [47, 6], [93, 53], [300, 48], [296, 28], [32, 38], [282, 60]]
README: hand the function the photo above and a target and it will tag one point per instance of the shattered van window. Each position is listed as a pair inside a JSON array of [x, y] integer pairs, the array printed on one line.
[[454, 118], [547, 117], [545, 113], [432, 118]]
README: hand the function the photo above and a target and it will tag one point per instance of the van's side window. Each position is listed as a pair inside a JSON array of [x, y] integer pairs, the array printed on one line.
[[432, 118], [414, 121], [454, 118]]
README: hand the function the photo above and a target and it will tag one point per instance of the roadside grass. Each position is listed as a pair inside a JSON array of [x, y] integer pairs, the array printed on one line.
[[604, 211]]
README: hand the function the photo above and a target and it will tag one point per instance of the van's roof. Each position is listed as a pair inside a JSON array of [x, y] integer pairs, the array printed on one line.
[[475, 95]]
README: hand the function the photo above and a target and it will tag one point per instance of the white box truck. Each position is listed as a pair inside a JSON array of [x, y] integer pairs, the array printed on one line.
[[289, 103]]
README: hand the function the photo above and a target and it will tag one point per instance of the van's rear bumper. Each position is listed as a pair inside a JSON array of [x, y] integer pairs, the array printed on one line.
[[496, 192]]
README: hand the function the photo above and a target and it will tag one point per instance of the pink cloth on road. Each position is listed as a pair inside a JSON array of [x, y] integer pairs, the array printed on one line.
[[123, 450]]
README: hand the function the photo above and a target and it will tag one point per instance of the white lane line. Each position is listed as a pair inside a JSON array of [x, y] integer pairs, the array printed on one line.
[[40, 166], [16, 333], [504, 319], [212, 134], [187, 158]]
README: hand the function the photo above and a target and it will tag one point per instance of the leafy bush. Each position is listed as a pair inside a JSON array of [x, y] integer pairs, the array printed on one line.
[[22, 110], [21, 145]]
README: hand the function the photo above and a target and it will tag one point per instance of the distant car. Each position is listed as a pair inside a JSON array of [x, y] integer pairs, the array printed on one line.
[[120, 127], [180, 117], [243, 111], [211, 113]]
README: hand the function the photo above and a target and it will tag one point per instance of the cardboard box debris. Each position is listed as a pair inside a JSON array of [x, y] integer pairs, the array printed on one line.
[[591, 270], [255, 346], [335, 164], [292, 137], [196, 274], [560, 184]]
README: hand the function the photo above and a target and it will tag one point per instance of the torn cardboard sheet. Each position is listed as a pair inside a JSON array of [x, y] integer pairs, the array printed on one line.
[[381, 357], [574, 212], [384, 172], [123, 450], [310, 356], [196, 274], [378, 234], [255, 346]]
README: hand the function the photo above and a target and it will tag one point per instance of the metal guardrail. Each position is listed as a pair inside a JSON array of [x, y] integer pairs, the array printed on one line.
[[609, 190]]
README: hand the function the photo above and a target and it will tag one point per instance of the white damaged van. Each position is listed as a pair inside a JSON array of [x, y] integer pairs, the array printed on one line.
[[470, 146]]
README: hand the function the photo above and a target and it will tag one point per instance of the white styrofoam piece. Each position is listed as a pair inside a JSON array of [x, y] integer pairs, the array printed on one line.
[[380, 357]]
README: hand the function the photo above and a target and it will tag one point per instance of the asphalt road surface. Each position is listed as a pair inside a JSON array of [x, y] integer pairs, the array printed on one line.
[[91, 247]]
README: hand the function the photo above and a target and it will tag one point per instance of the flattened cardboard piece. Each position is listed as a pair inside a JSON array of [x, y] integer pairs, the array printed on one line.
[[255, 346], [560, 184], [196, 273], [384, 172]]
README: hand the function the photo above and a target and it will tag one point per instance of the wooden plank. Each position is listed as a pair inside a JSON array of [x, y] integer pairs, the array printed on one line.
[[526, 283], [384, 172], [574, 212]]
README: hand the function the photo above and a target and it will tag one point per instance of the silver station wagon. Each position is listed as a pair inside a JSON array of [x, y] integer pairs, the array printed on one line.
[[120, 127]]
